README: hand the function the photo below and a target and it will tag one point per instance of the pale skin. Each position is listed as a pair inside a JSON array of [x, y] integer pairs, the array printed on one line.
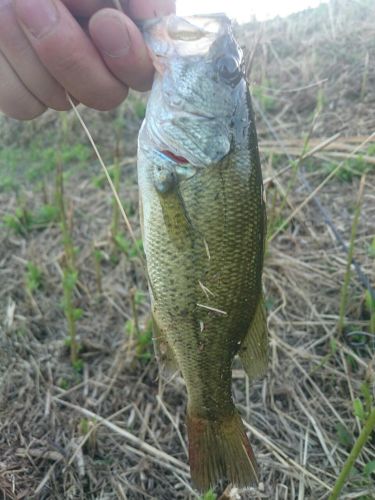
[[85, 48]]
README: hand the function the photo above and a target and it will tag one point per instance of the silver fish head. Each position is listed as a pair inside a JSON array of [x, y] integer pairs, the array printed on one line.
[[198, 87]]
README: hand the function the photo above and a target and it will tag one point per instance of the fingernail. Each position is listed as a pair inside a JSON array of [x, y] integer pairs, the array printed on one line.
[[110, 34], [38, 16]]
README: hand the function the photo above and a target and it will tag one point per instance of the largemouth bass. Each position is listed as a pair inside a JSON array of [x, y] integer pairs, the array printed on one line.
[[203, 222]]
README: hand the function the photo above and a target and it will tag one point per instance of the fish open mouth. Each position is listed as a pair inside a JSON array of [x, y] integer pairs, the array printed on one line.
[[178, 159]]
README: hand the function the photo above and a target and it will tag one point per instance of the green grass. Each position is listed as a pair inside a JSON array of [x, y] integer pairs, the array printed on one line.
[[354, 167], [116, 183], [72, 314], [100, 181], [137, 104], [209, 495], [129, 248], [369, 299], [364, 411], [34, 277], [359, 477], [98, 259], [144, 344], [36, 162], [267, 102], [350, 170], [142, 338], [344, 436], [348, 470], [371, 248], [140, 108], [22, 221], [370, 309], [19, 222], [345, 286], [70, 271]]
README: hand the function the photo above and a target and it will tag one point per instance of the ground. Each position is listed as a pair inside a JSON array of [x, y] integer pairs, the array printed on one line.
[[106, 426]]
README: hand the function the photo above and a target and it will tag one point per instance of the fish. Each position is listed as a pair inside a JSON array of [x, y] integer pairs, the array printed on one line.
[[203, 221]]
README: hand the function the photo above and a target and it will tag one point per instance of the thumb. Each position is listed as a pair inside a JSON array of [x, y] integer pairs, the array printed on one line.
[[122, 47]]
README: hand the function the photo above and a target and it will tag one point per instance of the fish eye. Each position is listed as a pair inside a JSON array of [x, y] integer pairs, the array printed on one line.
[[229, 70]]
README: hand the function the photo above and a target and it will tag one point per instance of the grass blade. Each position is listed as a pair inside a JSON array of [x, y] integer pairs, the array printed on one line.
[[356, 450]]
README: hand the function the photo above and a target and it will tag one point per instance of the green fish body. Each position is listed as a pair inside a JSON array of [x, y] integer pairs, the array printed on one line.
[[204, 224]]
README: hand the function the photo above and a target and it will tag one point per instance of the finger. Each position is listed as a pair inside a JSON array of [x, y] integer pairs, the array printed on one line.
[[68, 54], [87, 7], [15, 100], [18, 51], [146, 9], [122, 48]]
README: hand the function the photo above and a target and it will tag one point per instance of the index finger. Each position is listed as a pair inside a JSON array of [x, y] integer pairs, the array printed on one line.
[[146, 9]]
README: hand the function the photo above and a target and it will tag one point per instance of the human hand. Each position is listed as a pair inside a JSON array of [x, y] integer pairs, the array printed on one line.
[[83, 47]]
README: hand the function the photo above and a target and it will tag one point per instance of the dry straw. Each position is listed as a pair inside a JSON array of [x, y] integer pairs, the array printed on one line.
[[104, 432]]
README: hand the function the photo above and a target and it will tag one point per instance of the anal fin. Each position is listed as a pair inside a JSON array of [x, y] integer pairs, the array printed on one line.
[[163, 351], [254, 348]]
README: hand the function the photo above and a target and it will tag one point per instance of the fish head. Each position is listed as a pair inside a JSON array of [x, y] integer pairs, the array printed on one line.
[[197, 89]]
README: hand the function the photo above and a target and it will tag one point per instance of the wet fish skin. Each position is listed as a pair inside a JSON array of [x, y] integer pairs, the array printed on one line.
[[204, 228]]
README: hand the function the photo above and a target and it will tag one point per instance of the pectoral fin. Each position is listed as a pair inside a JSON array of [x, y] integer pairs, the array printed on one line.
[[254, 348], [163, 352]]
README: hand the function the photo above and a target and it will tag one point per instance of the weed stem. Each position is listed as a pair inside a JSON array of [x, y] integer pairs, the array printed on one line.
[[357, 447], [345, 286]]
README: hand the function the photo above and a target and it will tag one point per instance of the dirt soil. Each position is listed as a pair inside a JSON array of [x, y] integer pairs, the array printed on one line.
[[109, 427]]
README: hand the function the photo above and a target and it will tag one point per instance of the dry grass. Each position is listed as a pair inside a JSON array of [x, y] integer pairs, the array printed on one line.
[[114, 429]]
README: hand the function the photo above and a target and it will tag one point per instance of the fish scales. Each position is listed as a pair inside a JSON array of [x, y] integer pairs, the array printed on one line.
[[203, 220]]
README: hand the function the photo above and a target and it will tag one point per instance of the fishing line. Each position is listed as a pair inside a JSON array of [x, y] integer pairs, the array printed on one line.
[[115, 194]]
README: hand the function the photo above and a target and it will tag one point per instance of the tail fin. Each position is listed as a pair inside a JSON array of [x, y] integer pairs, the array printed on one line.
[[220, 450]]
